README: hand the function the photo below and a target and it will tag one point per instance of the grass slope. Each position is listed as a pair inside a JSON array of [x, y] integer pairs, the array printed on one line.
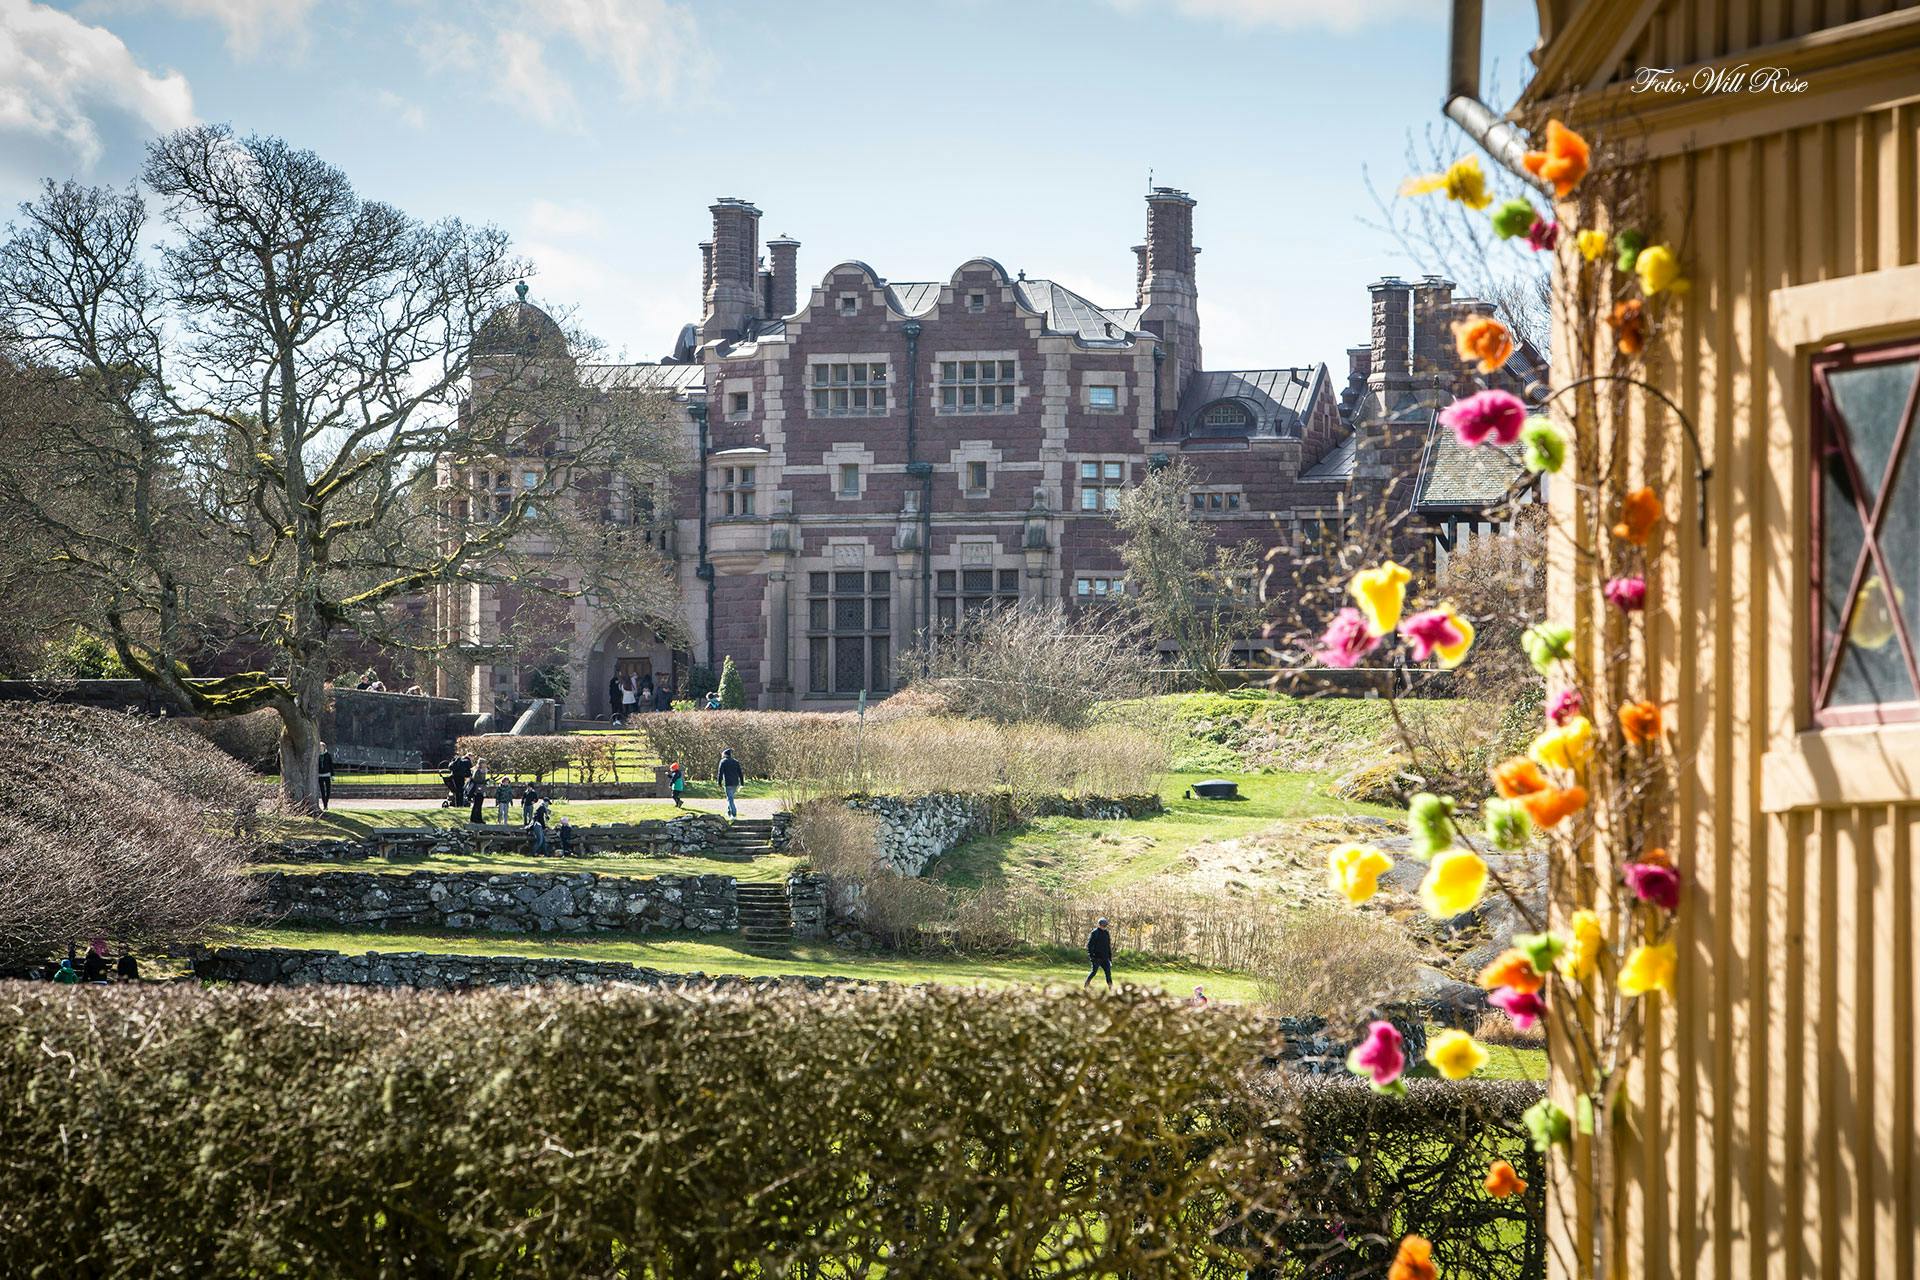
[[725, 954], [1091, 854]]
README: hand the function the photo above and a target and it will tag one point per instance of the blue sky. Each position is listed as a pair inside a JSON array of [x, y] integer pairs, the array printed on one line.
[[912, 134]]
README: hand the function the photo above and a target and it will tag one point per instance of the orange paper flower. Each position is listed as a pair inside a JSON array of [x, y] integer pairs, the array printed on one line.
[[1639, 512], [1548, 808], [1512, 968], [1518, 777], [1640, 721], [1484, 339], [1656, 858], [1564, 162], [1502, 1181], [1414, 1261], [1629, 325]]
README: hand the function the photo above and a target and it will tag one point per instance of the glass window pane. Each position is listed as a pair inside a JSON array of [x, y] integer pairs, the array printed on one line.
[[945, 579], [879, 401], [1089, 471], [816, 582], [949, 396], [817, 665], [877, 372], [1010, 581], [849, 614], [945, 612], [819, 402], [840, 401], [881, 613], [877, 581], [1082, 587], [949, 371], [820, 375], [849, 583], [1871, 400], [976, 580], [1114, 471], [1199, 501], [881, 669], [849, 664], [967, 370], [1006, 371], [1113, 499], [817, 615], [1089, 499]]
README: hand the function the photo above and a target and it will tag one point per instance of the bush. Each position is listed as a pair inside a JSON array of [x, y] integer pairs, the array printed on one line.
[[569, 1132], [733, 691], [701, 681], [85, 656], [1036, 662], [536, 755], [118, 826], [551, 681], [253, 739]]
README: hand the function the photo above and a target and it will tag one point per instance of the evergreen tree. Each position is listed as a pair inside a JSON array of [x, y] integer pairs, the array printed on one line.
[[733, 692]]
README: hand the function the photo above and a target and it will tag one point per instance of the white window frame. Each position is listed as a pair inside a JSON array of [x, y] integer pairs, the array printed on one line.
[[1230, 413], [735, 488], [1095, 390], [1109, 477]]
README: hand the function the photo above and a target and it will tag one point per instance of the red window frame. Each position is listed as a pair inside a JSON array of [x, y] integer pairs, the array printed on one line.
[[1829, 432]]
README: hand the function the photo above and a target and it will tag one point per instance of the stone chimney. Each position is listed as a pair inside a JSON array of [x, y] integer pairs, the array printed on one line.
[[765, 289], [1168, 291], [733, 296], [1390, 358], [1433, 312], [1359, 363], [1139, 275], [706, 276], [785, 253]]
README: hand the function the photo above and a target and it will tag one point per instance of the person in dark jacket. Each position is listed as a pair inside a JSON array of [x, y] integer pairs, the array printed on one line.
[[527, 800], [325, 772], [459, 769], [128, 968], [537, 826], [1100, 952], [730, 776], [615, 699]]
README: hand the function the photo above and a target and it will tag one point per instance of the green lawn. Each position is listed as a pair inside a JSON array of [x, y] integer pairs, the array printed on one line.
[[772, 867], [726, 955], [1091, 854]]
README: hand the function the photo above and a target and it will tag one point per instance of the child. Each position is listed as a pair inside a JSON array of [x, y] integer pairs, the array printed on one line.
[[565, 831], [503, 801], [677, 779]]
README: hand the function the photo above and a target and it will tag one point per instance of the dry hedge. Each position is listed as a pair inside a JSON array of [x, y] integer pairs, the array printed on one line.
[[617, 1132]]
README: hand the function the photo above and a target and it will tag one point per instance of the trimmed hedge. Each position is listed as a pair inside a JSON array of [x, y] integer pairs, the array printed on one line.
[[615, 1131]]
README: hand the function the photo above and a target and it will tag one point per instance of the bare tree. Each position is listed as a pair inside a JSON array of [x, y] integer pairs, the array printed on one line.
[[1036, 661], [269, 435], [1188, 589]]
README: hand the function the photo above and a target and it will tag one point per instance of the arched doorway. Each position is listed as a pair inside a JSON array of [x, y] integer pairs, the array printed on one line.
[[636, 653]]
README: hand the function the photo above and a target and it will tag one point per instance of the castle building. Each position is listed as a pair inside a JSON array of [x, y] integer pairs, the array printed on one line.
[[878, 459]]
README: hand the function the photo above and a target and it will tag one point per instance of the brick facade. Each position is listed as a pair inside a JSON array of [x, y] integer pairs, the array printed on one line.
[[917, 448]]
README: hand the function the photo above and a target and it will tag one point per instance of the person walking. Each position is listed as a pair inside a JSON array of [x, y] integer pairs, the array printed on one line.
[[326, 776], [1100, 953], [527, 799], [614, 700], [663, 696], [503, 801], [677, 783], [730, 775]]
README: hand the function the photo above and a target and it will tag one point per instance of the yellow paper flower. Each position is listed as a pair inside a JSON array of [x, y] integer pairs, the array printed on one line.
[[1382, 593], [1455, 882], [1463, 181], [1649, 968], [1658, 270], [1872, 626], [1592, 244], [1567, 746], [1455, 1054], [1582, 958], [1354, 871]]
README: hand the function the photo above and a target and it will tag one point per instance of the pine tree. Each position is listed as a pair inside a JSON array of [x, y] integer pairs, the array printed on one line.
[[733, 692]]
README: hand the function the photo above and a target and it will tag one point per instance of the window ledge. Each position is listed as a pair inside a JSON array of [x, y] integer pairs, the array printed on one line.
[[1842, 767]]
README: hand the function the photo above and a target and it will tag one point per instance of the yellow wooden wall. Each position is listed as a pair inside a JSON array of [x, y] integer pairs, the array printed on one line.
[[1780, 1101]]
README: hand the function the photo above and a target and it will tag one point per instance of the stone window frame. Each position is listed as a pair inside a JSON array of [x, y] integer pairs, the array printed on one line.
[[731, 391], [969, 454], [735, 487], [1217, 499], [847, 453], [1106, 380], [961, 592], [1327, 528], [847, 304], [1008, 391], [882, 385], [1099, 585], [829, 587], [976, 302], [1104, 481]]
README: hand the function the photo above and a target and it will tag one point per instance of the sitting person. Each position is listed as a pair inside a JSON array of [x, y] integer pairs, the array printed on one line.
[[128, 969], [95, 966], [66, 974]]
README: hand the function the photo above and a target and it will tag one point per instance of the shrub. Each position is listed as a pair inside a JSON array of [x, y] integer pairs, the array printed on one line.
[[701, 681], [733, 691], [551, 681], [533, 755], [118, 826], [85, 656], [569, 1132], [1036, 662], [253, 739]]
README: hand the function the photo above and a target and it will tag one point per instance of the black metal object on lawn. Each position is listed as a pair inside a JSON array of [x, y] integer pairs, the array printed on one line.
[[1217, 789]]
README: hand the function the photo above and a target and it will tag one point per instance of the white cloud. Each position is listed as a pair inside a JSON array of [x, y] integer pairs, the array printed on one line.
[[651, 47], [1337, 15], [65, 85], [250, 25], [408, 113], [550, 220]]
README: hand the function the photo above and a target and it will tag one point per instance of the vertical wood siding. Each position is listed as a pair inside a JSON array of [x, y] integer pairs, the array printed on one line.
[[1780, 1098]]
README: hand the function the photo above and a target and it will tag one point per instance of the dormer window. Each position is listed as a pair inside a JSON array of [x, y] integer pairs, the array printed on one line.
[[849, 304], [1226, 416], [976, 302]]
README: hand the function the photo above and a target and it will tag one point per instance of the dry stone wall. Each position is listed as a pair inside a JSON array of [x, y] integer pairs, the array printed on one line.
[[286, 966], [915, 830], [519, 902]]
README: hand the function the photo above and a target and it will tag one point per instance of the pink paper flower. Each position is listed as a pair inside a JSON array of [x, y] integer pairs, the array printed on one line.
[[1486, 415], [1565, 705], [1524, 1007], [1628, 595], [1381, 1056], [1434, 629], [1348, 640], [1543, 235], [1653, 882]]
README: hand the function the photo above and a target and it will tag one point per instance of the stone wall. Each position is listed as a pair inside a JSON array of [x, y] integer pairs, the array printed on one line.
[[519, 902], [807, 905], [912, 831], [388, 730], [690, 835], [284, 966]]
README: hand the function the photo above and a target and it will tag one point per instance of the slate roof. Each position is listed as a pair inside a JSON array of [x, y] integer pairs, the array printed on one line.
[[1277, 399], [1454, 477], [1065, 310], [643, 377], [913, 297], [1336, 463]]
